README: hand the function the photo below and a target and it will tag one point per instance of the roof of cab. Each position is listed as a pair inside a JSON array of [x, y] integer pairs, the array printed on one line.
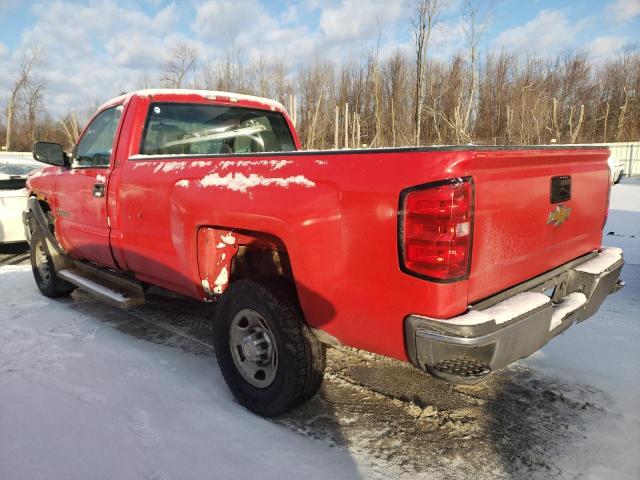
[[211, 95]]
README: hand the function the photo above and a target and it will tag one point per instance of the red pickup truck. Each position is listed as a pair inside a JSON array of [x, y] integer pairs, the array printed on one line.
[[459, 259]]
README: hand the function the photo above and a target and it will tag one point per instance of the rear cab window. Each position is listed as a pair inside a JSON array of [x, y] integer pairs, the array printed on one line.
[[197, 129]]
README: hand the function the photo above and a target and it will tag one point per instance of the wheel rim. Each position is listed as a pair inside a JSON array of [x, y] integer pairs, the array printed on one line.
[[42, 263], [253, 348]]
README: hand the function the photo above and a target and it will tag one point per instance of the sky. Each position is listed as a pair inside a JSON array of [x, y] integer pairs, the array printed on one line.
[[98, 48]]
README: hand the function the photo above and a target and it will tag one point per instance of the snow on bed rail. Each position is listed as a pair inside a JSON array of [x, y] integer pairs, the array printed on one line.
[[169, 167], [238, 182], [274, 164]]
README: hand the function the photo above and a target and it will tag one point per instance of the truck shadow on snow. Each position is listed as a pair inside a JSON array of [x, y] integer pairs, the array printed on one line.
[[515, 424], [534, 420], [385, 413]]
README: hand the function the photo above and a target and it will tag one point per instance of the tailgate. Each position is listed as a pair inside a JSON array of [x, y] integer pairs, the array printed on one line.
[[519, 231]]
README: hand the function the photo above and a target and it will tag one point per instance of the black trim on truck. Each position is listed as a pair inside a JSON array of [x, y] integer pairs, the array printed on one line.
[[364, 151], [560, 189]]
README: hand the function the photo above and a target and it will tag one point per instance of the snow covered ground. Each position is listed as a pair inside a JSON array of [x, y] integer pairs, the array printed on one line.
[[604, 352], [79, 399], [91, 392]]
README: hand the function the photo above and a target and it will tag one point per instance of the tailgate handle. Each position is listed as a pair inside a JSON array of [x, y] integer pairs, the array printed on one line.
[[560, 188]]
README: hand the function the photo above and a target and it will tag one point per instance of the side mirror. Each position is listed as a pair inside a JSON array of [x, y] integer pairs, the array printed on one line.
[[50, 153]]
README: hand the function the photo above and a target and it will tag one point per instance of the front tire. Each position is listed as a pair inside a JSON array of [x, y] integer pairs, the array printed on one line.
[[268, 356], [44, 271]]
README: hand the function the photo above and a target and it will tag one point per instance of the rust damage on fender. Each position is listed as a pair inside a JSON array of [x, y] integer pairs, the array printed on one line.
[[216, 250]]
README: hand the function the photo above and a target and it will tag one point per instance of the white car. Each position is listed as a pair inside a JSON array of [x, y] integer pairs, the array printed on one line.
[[13, 196], [618, 170], [616, 164]]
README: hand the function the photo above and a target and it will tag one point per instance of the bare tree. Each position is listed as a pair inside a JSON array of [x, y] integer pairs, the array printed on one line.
[[426, 15], [31, 57], [181, 62], [474, 14], [35, 89], [70, 128], [574, 130]]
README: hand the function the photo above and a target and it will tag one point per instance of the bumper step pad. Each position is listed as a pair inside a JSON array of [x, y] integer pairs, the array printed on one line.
[[463, 367]]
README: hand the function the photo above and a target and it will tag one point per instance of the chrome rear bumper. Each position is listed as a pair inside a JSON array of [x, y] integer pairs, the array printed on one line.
[[513, 324]]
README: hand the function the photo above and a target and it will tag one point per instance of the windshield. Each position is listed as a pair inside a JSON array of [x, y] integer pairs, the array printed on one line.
[[175, 128]]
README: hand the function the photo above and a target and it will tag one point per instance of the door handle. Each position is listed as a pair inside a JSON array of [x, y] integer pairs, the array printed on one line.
[[98, 190]]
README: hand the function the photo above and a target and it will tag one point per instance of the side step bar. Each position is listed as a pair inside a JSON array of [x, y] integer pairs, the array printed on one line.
[[109, 286], [112, 287]]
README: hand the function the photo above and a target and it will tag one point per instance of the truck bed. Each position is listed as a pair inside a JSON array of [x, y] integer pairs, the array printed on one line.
[[336, 213]]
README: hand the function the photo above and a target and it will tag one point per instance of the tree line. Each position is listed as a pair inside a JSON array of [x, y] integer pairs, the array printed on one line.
[[403, 99]]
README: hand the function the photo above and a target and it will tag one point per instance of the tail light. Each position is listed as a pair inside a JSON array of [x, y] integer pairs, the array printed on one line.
[[435, 230]]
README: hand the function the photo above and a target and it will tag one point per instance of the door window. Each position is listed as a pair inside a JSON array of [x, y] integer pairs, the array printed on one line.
[[94, 149]]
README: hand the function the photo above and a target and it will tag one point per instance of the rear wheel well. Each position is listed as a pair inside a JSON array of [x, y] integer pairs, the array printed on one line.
[[227, 254], [255, 263], [265, 266]]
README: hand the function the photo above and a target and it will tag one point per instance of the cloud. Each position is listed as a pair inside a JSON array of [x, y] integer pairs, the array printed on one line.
[[284, 35], [291, 14], [334, 29], [227, 21], [5, 74], [357, 19], [549, 30], [6, 5], [136, 50], [247, 26], [603, 48], [623, 10], [109, 48], [446, 39]]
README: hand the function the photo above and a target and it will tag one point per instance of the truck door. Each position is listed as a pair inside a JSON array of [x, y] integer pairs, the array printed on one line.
[[81, 203]]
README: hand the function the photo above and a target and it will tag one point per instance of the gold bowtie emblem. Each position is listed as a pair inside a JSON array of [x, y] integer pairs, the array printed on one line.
[[558, 215]]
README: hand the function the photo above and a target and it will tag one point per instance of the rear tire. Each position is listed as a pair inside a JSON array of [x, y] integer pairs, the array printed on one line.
[[44, 271], [268, 356]]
